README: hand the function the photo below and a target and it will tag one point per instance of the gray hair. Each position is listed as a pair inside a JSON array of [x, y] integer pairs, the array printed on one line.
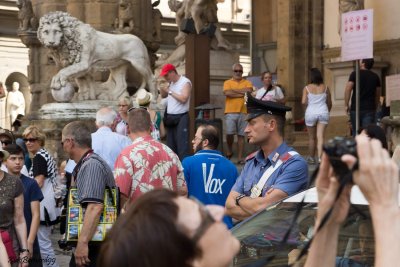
[[79, 132], [237, 64], [105, 116]]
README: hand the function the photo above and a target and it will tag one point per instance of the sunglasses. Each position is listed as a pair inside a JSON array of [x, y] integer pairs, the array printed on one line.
[[66, 139], [206, 220], [6, 142], [238, 71], [31, 140], [133, 108]]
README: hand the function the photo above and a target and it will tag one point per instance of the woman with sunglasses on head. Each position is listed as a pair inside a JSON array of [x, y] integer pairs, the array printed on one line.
[[270, 92], [162, 229], [124, 104], [44, 171]]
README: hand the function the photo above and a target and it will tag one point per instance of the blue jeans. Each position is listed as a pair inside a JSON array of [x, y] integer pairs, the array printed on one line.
[[367, 117]]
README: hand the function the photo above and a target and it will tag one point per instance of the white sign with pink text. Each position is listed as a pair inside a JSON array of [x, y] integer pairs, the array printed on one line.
[[357, 35]]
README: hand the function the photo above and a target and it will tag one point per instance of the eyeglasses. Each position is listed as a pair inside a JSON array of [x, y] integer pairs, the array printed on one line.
[[6, 142], [66, 139], [122, 105], [206, 220], [238, 71], [129, 110], [31, 140]]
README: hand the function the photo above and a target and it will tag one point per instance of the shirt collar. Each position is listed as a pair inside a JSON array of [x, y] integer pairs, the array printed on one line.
[[273, 157], [104, 129], [208, 151], [143, 138]]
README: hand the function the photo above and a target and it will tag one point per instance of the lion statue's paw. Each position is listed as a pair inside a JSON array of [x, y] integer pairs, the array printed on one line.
[[64, 94]]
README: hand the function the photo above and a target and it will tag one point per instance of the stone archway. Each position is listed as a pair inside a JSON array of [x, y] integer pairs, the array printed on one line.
[[23, 88]]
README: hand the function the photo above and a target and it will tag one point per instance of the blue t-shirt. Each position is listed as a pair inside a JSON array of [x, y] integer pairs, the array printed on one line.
[[291, 177], [32, 192], [210, 177]]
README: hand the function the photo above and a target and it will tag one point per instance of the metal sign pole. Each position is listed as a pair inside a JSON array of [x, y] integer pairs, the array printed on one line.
[[357, 96]]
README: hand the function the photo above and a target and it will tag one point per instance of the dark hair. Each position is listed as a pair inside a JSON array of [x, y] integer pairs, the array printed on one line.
[[262, 78], [375, 132], [368, 62], [210, 132], [316, 76], [80, 132], [139, 120], [14, 149], [280, 122], [148, 235]]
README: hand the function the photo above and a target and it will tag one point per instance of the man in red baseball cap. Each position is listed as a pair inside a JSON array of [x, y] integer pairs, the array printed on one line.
[[176, 116]]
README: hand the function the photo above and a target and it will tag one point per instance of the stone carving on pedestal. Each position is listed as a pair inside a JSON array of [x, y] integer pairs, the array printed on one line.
[[157, 16], [26, 17], [124, 23], [80, 50], [204, 15]]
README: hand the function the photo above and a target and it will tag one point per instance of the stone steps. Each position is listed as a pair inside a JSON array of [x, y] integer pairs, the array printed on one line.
[[300, 143]]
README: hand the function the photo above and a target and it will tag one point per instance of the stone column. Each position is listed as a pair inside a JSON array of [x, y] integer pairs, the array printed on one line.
[[197, 66]]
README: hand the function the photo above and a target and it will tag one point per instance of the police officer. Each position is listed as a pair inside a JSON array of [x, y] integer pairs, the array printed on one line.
[[273, 172]]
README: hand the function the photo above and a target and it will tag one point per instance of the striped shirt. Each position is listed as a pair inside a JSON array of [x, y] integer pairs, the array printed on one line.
[[92, 178]]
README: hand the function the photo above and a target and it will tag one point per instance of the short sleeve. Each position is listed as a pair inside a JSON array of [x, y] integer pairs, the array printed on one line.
[[39, 166], [279, 93], [352, 77], [19, 188], [227, 85], [249, 83], [239, 184], [91, 182], [293, 177], [123, 178], [35, 192], [186, 173], [180, 177]]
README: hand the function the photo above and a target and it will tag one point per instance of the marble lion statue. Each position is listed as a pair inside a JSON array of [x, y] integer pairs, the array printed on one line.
[[80, 50]]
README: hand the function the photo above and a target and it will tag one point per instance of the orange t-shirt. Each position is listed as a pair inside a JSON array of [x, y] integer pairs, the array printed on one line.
[[236, 104]]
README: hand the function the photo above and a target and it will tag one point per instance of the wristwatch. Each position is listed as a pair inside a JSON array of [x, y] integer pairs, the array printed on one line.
[[239, 197], [170, 92], [24, 250]]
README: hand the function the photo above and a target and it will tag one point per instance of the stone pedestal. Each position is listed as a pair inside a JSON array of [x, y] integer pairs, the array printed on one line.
[[52, 118]]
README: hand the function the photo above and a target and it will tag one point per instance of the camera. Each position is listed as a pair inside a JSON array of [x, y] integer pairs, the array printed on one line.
[[335, 148]]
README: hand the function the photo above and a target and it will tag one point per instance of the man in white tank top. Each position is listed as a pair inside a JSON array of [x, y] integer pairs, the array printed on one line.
[[176, 117]]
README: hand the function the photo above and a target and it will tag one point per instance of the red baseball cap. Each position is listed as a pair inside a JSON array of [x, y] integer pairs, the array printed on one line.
[[167, 68]]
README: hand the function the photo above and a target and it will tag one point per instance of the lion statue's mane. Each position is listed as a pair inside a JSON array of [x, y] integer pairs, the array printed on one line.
[[71, 46]]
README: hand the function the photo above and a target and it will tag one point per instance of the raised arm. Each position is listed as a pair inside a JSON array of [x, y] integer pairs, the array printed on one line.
[[378, 179], [323, 249]]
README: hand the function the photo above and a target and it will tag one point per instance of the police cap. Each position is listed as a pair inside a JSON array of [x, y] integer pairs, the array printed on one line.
[[257, 107]]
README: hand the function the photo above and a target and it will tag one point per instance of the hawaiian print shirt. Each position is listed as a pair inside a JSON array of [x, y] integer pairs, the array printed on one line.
[[145, 165]]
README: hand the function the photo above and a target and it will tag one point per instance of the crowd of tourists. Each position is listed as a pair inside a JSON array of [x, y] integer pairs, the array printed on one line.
[[123, 194]]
